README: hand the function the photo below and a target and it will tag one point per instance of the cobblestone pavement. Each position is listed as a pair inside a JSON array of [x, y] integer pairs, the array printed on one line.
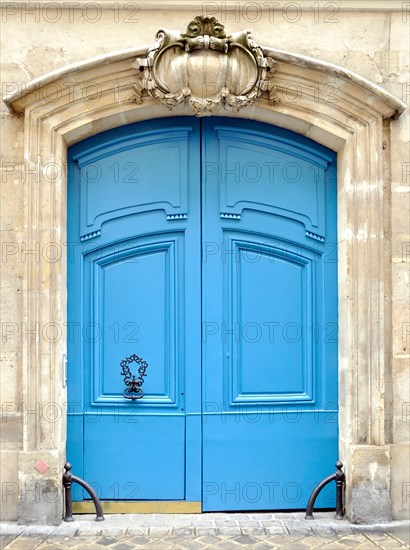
[[262, 531]]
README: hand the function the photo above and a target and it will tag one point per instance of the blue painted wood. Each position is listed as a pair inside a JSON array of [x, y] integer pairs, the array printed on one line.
[[269, 317], [225, 269], [134, 287]]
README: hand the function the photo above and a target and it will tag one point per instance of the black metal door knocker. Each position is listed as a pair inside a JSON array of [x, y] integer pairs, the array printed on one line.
[[134, 390]]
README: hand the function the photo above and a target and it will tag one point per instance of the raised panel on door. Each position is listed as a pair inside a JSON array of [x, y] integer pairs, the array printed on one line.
[[270, 300], [269, 306], [139, 291], [135, 289]]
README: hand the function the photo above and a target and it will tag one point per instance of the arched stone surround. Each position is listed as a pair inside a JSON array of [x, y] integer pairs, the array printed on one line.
[[321, 101]]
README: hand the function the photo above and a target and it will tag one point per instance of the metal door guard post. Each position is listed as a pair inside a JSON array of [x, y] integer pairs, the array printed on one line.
[[68, 479], [339, 477]]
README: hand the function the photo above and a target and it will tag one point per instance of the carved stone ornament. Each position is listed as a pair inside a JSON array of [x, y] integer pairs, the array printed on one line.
[[205, 68]]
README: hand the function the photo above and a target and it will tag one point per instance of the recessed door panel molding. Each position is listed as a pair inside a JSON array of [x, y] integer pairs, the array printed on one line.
[[270, 305], [132, 175], [146, 313], [271, 174]]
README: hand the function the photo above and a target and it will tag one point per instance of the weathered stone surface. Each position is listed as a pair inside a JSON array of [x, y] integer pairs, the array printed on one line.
[[326, 533], [400, 479], [401, 390], [369, 483], [401, 332], [372, 43], [40, 494], [9, 484]]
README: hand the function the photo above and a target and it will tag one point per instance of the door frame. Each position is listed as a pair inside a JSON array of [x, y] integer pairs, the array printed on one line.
[[354, 126]]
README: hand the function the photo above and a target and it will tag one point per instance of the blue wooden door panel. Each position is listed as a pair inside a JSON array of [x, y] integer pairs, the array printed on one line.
[[135, 289], [130, 174], [270, 302], [270, 175], [269, 373], [222, 274], [141, 457], [274, 457]]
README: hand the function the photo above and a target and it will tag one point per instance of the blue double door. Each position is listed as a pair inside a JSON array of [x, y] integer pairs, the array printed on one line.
[[208, 249]]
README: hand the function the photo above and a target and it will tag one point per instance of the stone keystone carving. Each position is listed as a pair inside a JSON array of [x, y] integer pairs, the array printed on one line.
[[205, 68]]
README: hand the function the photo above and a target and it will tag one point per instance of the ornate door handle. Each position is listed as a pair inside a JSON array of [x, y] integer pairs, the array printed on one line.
[[133, 390]]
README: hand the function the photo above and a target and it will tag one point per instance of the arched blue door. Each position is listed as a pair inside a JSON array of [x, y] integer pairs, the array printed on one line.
[[208, 248]]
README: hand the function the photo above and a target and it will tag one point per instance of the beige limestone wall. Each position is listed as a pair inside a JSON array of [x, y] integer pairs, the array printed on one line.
[[399, 83], [372, 43], [37, 38], [11, 279]]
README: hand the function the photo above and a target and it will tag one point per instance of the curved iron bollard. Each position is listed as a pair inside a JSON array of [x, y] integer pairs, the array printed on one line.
[[339, 477], [68, 479]]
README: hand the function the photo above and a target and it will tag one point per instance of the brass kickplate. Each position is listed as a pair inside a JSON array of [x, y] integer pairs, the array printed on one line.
[[139, 507]]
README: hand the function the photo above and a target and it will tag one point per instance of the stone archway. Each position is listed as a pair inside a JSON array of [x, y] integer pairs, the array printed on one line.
[[319, 100]]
